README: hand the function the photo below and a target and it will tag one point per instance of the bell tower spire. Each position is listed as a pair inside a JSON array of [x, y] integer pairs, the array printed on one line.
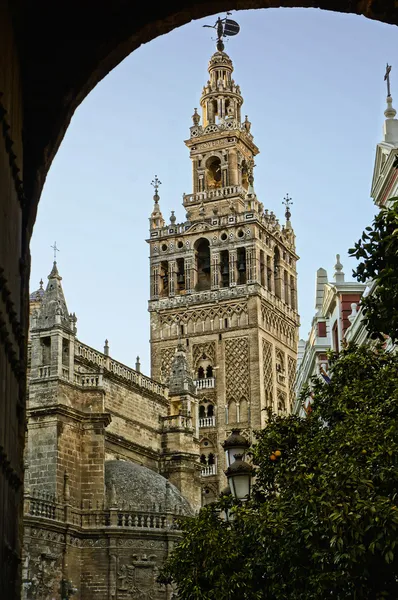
[[223, 283], [221, 145]]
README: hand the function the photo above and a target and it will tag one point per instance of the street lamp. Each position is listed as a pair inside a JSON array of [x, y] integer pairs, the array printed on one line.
[[235, 444], [239, 473]]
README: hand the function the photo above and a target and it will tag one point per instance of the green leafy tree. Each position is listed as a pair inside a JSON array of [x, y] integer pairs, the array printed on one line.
[[323, 520], [377, 251]]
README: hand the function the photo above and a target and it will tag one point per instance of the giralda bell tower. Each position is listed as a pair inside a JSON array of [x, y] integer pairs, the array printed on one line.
[[224, 282]]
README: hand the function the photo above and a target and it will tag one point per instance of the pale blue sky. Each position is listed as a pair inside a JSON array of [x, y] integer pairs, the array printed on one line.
[[313, 87]]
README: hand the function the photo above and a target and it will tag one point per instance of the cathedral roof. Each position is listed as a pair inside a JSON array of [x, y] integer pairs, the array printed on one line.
[[132, 484]]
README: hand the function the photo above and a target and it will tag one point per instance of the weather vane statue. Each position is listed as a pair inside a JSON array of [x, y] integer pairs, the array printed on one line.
[[224, 27], [287, 202]]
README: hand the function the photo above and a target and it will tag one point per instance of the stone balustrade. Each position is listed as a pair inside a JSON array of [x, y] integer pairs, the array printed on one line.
[[176, 422], [117, 368], [208, 470], [45, 506], [209, 195], [205, 383], [207, 422]]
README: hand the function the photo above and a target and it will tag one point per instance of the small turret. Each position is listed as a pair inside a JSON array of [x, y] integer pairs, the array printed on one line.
[[53, 309]]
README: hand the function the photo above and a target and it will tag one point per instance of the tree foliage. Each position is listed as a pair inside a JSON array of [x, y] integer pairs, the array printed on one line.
[[323, 520], [378, 252]]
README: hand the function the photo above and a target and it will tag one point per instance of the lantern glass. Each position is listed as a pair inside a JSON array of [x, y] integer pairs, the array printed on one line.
[[240, 485]]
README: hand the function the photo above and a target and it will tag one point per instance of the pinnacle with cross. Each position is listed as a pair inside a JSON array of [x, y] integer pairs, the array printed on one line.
[[287, 202], [55, 251], [387, 78]]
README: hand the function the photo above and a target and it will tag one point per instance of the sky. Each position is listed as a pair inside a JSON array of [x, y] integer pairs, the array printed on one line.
[[313, 89]]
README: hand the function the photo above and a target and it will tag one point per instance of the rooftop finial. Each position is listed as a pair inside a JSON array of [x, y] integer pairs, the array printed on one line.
[[55, 251], [156, 183], [287, 202], [390, 111], [338, 270], [41, 284], [387, 78], [224, 27]]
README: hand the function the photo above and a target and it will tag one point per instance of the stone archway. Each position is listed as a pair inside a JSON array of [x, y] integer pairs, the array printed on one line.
[[49, 62]]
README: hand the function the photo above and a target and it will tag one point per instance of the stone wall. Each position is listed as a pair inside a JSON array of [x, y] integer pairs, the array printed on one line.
[[14, 272]]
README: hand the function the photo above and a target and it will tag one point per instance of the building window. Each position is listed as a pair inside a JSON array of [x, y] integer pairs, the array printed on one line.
[[322, 329]]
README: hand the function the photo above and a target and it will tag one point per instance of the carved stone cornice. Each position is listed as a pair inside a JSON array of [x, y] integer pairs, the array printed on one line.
[[74, 414]]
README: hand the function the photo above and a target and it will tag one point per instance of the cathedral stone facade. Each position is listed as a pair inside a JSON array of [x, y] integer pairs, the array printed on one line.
[[225, 281], [114, 458]]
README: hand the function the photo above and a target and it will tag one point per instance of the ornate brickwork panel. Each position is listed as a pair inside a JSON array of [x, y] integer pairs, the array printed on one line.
[[276, 325], [221, 311], [268, 372], [291, 376], [237, 369], [199, 350], [167, 355]]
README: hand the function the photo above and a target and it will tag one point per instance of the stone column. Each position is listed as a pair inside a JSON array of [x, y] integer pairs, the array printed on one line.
[[189, 276], [215, 270], [250, 265], [232, 268], [233, 178], [155, 281], [270, 274], [172, 277]]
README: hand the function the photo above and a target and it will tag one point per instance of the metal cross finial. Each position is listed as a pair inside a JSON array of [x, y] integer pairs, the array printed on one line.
[[287, 202], [156, 183], [387, 78], [55, 250]]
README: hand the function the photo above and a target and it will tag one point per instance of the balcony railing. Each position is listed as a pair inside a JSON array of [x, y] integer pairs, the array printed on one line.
[[207, 422], [176, 422], [205, 383], [208, 470]]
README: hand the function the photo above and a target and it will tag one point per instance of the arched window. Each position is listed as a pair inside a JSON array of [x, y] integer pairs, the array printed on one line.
[[241, 262], [213, 172], [202, 248], [203, 460], [210, 410], [164, 278], [201, 373], [202, 412], [209, 371], [224, 268], [243, 412], [232, 412], [211, 459]]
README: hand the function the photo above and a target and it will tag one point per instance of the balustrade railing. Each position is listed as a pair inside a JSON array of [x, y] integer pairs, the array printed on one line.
[[45, 506], [208, 470], [223, 192], [45, 371], [113, 366], [205, 383], [177, 422], [207, 422]]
